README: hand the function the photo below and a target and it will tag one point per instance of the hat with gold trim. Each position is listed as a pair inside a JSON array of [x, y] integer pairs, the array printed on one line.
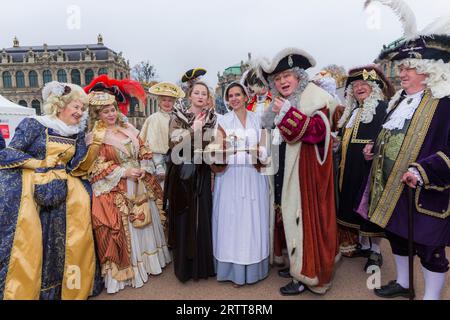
[[371, 73], [193, 74], [167, 89], [99, 98], [432, 43]]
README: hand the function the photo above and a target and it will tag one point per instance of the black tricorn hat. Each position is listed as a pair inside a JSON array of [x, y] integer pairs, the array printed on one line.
[[432, 43], [431, 47], [371, 73], [287, 59], [192, 74]]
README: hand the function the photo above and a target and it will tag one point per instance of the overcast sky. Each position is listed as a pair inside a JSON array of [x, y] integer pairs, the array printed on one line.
[[177, 35]]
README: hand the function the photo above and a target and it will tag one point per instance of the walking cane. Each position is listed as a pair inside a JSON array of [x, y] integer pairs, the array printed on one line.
[[410, 241]]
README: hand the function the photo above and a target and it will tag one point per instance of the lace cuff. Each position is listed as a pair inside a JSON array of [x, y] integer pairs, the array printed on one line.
[[148, 166], [416, 173], [283, 111], [109, 182]]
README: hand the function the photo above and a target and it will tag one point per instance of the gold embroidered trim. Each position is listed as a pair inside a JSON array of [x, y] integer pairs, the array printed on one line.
[[302, 132], [344, 147], [286, 130], [444, 157], [427, 185], [419, 208], [372, 234], [305, 127], [292, 123], [297, 115], [14, 164], [356, 129], [348, 225], [410, 149], [62, 140], [422, 172], [357, 227]]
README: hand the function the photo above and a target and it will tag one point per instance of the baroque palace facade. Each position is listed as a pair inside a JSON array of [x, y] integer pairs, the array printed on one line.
[[24, 70], [229, 75]]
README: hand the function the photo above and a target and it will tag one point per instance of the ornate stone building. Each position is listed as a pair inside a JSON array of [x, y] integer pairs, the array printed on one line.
[[24, 70], [230, 74]]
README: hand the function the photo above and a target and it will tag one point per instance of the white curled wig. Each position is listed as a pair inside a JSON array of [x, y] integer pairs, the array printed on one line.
[[303, 79], [437, 72], [369, 106], [57, 98]]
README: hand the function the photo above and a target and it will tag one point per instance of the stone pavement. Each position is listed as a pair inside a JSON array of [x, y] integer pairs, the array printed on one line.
[[350, 283]]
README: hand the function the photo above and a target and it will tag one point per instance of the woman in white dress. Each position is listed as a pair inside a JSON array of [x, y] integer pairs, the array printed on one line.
[[241, 198], [130, 244]]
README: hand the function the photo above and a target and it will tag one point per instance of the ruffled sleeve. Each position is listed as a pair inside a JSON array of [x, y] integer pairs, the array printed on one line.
[[105, 174]]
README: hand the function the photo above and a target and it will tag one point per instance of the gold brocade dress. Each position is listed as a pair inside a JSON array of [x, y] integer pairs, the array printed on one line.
[[47, 245]]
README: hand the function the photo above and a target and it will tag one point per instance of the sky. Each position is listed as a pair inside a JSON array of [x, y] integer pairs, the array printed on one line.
[[178, 35]]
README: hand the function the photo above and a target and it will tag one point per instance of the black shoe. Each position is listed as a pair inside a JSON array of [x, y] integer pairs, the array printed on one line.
[[292, 289], [359, 252], [392, 290], [375, 259], [284, 273]]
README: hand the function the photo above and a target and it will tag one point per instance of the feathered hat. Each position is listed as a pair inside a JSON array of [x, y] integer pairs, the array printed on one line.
[[432, 43], [250, 78], [123, 90]]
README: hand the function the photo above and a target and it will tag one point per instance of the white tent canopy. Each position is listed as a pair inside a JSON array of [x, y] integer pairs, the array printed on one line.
[[10, 116]]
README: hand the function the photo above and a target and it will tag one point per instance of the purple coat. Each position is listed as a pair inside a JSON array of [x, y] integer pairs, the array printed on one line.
[[431, 201]]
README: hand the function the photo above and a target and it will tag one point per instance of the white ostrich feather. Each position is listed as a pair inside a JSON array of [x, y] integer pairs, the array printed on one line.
[[440, 26], [404, 12]]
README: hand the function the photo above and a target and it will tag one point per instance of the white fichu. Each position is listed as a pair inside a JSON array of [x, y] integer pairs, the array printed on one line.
[[404, 12]]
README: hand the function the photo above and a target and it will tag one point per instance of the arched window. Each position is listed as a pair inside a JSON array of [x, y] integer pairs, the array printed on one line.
[[47, 76], [134, 105], [7, 83], [36, 105], [62, 75], [76, 76], [121, 75], [102, 71], [116, 75], [88, 76], [393, 71], [20, 80], [33, 77], [23, 103]]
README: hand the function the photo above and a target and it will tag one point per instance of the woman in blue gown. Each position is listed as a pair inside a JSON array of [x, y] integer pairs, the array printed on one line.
[[46, 238]]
